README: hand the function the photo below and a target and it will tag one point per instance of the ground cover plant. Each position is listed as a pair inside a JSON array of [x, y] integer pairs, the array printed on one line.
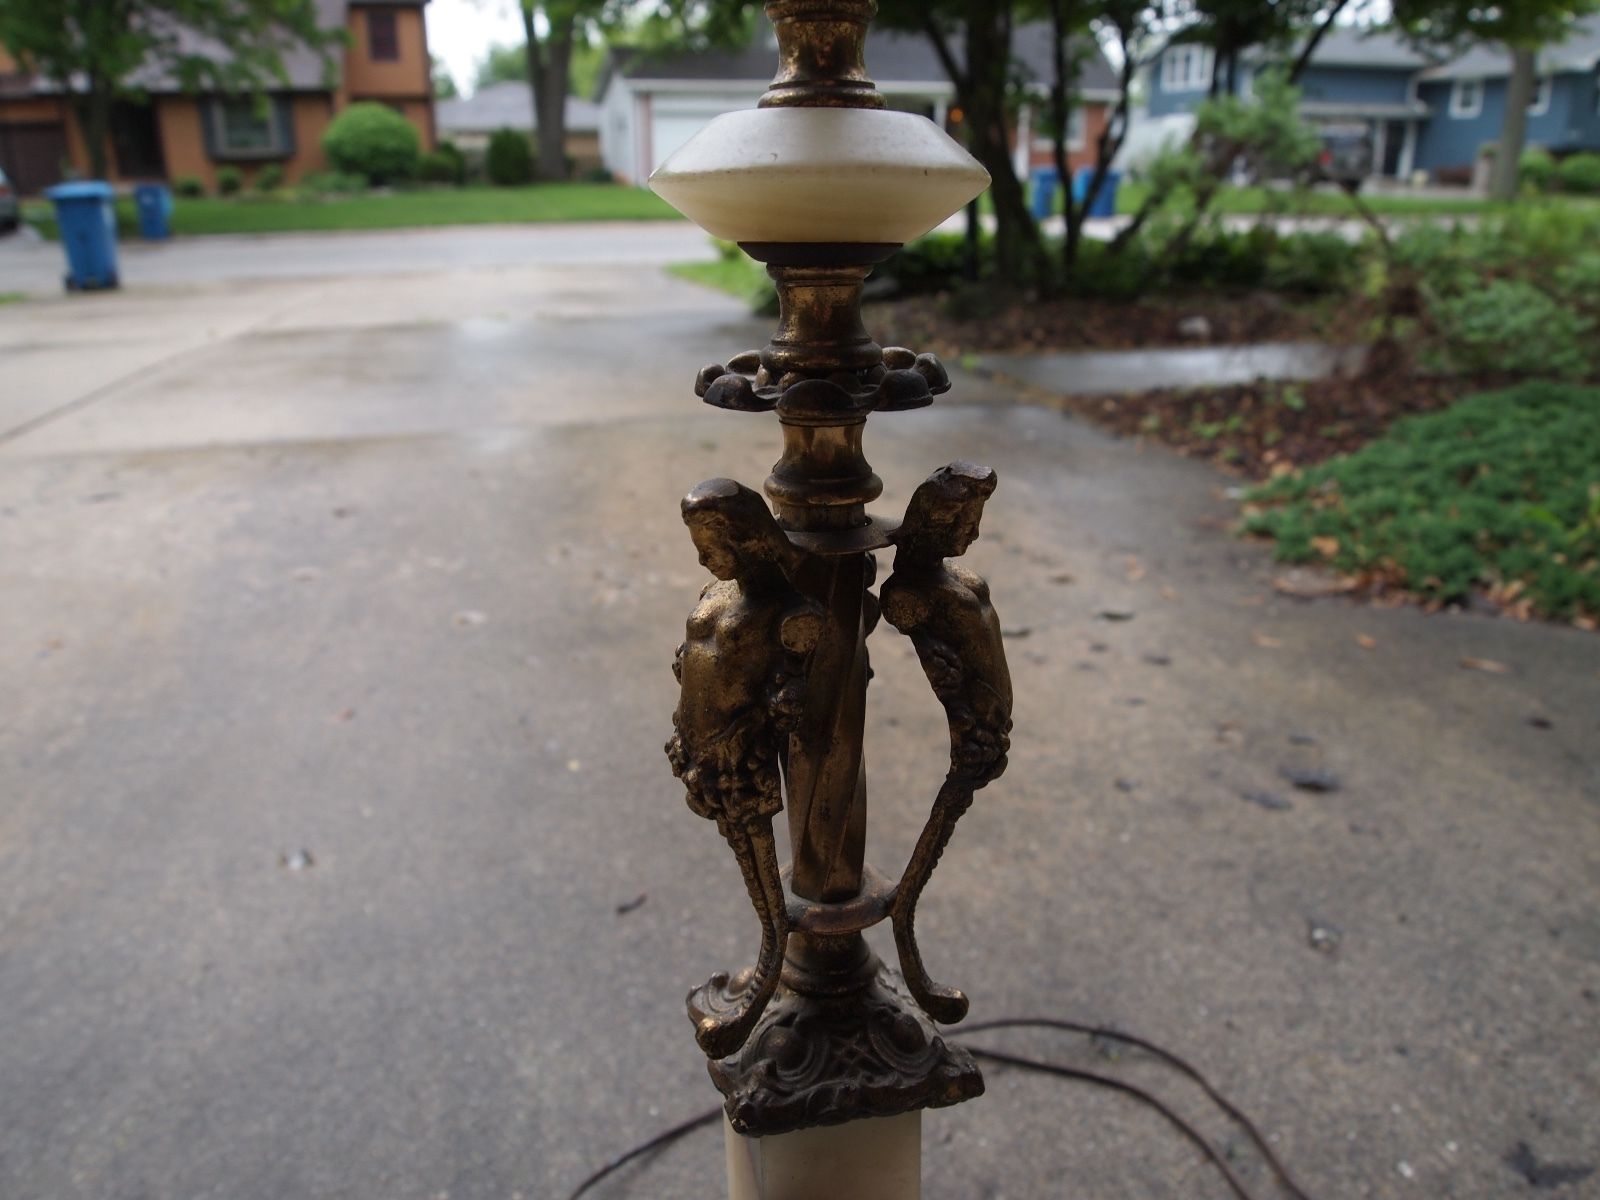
[[1500, 492]]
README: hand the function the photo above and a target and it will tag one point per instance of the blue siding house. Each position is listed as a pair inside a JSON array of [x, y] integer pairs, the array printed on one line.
[[1424, 115]]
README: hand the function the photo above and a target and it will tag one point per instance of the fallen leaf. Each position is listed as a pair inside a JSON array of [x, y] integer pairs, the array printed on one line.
[[1485, 664], [1133, 569], [628, 906], [1366, 641], [1266, 640], [1328, 547]]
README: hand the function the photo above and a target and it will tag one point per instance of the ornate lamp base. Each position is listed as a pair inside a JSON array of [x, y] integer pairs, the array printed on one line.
[[835, 1044]]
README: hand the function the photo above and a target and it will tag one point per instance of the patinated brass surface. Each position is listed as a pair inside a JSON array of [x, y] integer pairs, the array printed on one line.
[[774, 669], [944, 609]]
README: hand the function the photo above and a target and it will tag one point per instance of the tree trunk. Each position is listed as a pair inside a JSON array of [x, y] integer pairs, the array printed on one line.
[[1072, 215], [1019, 255], [1514, 132], [549, 64], [92, 107]]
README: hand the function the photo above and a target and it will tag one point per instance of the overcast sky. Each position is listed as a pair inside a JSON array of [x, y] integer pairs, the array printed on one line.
[[461, 31]]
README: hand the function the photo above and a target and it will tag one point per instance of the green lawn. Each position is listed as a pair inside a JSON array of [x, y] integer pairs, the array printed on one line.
[[1499, 492], [397, 210], [741, 276]]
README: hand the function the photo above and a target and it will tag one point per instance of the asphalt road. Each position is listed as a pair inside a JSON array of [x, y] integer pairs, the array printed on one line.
[[339, 858]]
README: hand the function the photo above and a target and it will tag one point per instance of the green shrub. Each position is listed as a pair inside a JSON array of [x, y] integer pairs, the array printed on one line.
[[509, 161], [189, 187], [229, 181], [372, 139], [1580, 173], [450, 150], [1511, 325], [333, 183], [1500, 490], [440, 168], [1311, 264], [934, 263], [599, 175], [1537, 168], [269, 178], [1101, 275]]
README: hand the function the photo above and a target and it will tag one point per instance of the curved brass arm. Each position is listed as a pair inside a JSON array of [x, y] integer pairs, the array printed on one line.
[[725, 1011]]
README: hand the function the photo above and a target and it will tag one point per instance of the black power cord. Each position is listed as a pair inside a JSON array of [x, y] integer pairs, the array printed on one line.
[[1060, 1071]]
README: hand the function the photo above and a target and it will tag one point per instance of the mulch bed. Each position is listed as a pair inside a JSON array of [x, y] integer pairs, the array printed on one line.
[[1265, 428], [931, 323]]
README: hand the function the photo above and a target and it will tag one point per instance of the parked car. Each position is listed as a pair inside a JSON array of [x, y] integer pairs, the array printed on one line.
[[10, 209]]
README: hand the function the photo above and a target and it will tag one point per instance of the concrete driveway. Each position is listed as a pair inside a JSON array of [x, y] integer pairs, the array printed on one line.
[[339, 858]]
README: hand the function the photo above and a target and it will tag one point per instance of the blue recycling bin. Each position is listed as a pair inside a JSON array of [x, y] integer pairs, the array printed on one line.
[[154, 202], [87, 220], [1045, 181], [1105, 204]]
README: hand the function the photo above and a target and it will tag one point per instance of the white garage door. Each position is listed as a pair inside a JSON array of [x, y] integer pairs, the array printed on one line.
[[673, 129]]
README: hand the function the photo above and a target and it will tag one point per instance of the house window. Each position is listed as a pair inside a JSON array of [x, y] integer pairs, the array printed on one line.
[[1187, 68], [383, 42], [1540, 104], [242, 128], [1466, 98]]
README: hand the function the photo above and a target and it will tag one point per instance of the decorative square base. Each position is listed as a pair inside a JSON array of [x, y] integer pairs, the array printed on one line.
[[825, 1060]]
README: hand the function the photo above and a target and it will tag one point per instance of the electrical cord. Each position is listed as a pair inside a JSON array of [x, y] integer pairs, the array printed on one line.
[[1059, 1070]]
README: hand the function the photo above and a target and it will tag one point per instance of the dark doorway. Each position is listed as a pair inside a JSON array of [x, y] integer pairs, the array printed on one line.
[[136, 138], [1394, 143], [33, 155]]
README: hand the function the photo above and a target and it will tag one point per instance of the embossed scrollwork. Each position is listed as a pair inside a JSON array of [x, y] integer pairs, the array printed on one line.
[[945, 610], [742, 670]]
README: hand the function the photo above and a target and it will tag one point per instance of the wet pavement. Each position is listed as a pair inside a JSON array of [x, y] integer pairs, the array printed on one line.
[[339, 858], [1088, 373]]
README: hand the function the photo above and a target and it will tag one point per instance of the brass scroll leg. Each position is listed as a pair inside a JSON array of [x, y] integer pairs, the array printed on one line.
[[945, 1005], [724, 1013]]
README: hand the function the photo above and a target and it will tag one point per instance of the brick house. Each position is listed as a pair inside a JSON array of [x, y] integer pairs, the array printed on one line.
[[172, 135]]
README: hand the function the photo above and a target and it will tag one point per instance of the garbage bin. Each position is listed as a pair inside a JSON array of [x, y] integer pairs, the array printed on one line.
[[1105, 204], [154, 201], [1045, 180], [88, 223]]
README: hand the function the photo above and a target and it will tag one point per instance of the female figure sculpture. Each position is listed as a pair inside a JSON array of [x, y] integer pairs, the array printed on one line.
[[742, 671], [944, 608]]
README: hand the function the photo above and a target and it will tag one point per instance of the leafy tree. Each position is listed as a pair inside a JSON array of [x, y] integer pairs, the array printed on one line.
[[1522, 27], [93, 49], [551, 29], [502, 64], [509, 64], [444, 83]]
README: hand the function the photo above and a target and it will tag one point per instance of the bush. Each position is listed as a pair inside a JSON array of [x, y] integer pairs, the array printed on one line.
[[1311, 264], [599, 175], [269, 178], [229, 181], [933, 263], [1497, 491], [372, 139], [189, 187], [1537, 168], [439, 167], [1580, 173], [1511, 325], [510, 158], [333, 183]]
